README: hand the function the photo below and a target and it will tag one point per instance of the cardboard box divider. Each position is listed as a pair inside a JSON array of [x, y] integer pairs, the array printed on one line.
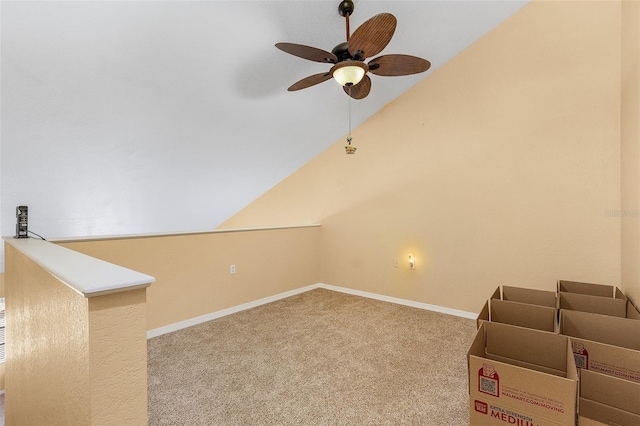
[[483, 315], [530, 296], [496, 294], [632, 311], [586, 288], [614, 331], [502, 389], [524, 315], [616, 307], [608, 399], [594, 413], [609, 390], [522, 307]]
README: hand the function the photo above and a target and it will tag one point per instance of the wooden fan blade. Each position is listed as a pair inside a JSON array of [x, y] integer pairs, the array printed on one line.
[[308, 52], [373, 36], [394, 65], [312, 80], [360, 90]]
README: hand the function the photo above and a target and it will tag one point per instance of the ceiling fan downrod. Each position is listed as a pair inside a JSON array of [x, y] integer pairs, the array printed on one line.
[[345, 8]]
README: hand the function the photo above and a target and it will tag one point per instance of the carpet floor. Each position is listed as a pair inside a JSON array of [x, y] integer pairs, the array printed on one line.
[[317, 358]]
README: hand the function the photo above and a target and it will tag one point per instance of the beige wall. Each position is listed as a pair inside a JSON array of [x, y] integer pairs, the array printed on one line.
[[192, 271], [70, 359], [498, 168], [118, 358], [630, 149]]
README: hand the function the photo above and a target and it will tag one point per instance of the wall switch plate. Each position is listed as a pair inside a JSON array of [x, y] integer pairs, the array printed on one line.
[[396, 262], [232, 269]]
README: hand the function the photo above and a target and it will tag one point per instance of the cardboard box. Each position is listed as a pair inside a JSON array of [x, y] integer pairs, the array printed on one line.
[[586, 288], [616, 307], [528, 372], [609, 400], [530, 296], [603, 344]]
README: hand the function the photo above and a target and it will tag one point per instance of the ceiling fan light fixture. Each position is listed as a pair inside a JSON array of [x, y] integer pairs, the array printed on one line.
[[349, 73]]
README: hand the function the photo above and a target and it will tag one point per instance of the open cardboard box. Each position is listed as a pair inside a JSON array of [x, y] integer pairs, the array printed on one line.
[[586, 288], [608, 400], [603, 344], [613, 306], [521, 375]]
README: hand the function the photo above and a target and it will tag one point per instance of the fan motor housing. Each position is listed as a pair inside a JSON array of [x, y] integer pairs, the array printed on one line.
[[342, 51]]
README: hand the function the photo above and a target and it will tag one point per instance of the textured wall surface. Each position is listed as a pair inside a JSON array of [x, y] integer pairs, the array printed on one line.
[[70, 359], [501, 167], [47, 368], [118, 358], [192, 271]]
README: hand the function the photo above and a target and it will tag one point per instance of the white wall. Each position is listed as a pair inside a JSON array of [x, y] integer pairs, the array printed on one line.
[[133, 117], [106, 128]]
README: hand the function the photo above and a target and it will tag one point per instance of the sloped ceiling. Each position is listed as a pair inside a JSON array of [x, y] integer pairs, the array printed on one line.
[[130, 117]]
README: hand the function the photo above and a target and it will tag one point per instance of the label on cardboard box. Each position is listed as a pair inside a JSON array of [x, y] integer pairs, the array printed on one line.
[[482, 412]]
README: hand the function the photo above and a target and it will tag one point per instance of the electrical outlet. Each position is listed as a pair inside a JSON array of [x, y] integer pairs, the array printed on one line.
[[232, 269], [396, 262]]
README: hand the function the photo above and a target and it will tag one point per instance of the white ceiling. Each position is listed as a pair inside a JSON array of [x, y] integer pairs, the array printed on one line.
[[118, 114]]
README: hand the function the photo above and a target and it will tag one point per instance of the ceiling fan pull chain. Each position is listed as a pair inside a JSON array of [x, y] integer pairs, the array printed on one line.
[[350, 149]]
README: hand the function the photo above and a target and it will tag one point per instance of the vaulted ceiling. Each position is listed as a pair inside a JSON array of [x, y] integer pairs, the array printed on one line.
[[151, 116]]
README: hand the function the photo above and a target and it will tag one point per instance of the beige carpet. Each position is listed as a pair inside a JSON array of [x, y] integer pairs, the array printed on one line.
[[317, 358]]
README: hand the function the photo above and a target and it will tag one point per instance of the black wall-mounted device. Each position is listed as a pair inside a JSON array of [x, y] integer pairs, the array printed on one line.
[[22, 227]]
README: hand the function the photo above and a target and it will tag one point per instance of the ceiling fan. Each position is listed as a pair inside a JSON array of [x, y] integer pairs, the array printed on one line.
[[349, 68]]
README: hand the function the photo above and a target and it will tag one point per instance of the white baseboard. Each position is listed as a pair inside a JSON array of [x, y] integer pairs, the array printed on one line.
[[224, 312], [413, 304]]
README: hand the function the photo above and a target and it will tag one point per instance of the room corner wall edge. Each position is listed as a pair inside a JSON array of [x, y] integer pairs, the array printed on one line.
[[249, 305]]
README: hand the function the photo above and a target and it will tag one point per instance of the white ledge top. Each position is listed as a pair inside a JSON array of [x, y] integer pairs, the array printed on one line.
[[85, 274]]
